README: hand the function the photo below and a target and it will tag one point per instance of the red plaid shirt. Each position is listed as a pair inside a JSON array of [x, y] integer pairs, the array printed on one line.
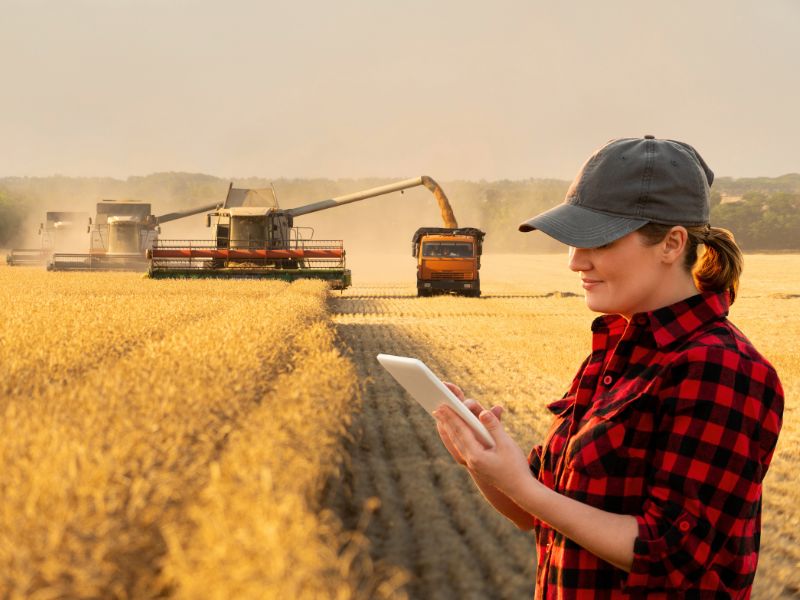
[[672, 419]]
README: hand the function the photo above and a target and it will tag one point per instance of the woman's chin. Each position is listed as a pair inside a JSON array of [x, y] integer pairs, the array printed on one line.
[[594, 303], [598, 305]]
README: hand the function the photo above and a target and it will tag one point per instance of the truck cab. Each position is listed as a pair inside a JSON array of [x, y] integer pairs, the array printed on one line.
[[448, 260]]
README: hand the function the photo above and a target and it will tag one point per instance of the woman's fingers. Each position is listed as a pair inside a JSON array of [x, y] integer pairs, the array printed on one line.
[[455, 389], [448, 443], [473, 406], [459, 432], [476, 409]]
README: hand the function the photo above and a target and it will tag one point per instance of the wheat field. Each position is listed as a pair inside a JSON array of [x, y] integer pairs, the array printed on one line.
[[230, 439], [167, 440]]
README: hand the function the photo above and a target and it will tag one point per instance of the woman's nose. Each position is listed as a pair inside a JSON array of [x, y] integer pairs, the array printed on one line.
[[579, 259]]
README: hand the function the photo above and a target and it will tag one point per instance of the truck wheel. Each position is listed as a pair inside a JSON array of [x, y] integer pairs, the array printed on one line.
[[423, 293]]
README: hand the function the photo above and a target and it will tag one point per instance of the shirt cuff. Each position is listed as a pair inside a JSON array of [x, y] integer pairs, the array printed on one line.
[[670, 553]]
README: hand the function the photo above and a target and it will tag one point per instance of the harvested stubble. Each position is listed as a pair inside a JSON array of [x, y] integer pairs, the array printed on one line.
[[171, 439], [519, 346]]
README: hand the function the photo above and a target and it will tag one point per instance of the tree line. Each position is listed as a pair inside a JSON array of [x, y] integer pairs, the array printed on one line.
[[763, 213]]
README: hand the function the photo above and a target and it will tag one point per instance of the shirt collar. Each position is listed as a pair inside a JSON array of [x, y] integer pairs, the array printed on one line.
[[671, 323]]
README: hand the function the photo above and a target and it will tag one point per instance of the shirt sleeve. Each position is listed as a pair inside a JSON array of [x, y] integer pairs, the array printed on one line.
[[719, 418], [535, 460]]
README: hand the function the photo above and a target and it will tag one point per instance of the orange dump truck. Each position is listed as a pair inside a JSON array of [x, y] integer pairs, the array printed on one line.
[[448, 260]]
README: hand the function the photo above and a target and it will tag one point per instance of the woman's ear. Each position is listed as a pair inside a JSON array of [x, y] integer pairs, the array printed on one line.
[[673, 245]]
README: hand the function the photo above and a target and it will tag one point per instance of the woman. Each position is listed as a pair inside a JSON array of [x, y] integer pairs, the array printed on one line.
[[649, 480]]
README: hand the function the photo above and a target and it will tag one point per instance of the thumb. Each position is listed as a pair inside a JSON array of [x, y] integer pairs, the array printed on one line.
[[489, 419]]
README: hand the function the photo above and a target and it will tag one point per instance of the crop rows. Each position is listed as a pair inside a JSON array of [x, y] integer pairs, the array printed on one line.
[[223, 439], [172, 439], [519, 349]]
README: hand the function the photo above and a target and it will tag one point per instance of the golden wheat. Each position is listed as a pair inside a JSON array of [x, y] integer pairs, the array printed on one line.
[[121, 399], [208, 439], [519, 346]]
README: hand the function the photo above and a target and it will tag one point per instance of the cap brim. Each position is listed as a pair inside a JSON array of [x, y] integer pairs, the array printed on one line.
[[580, 227]]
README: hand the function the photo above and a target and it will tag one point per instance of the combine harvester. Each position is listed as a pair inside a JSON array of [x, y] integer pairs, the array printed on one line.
[[122, 232], [262, 242], [61, 230]]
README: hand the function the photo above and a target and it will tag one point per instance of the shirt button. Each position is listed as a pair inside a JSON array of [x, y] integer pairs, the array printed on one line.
[[641, 320], [608, 380], [684, 526]]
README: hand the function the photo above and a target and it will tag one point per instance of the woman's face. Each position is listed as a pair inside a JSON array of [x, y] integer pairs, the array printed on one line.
[[623, 277]]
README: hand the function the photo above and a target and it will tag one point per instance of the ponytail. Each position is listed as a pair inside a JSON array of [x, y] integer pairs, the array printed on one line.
[[719, 266]]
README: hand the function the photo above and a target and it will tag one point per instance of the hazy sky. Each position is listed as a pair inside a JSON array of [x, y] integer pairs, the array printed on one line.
[[453, 89]]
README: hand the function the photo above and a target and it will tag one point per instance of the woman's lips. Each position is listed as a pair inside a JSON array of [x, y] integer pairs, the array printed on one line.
[[590, 283]]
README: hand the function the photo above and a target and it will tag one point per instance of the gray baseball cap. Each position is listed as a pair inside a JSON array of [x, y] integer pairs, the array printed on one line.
[[625, 185]]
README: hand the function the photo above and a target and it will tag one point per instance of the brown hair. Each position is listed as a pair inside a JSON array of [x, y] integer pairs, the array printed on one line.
[[720, 265]]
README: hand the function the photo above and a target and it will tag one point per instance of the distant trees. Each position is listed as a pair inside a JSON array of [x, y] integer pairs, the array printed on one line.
[[12, 215], [762, 221], [764, 216]]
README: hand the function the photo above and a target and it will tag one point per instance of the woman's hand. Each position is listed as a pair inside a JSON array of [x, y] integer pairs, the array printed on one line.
[[474, 407], [505, 466]]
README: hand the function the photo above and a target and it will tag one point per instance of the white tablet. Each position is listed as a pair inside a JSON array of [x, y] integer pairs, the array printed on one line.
[[427, 389]]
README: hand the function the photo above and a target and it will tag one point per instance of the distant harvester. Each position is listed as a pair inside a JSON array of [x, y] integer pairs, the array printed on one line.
[[121, 233], [60, 231]]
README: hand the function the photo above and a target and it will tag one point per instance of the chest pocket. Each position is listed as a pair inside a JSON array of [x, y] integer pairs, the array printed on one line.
[[612, 441], [556, 437]]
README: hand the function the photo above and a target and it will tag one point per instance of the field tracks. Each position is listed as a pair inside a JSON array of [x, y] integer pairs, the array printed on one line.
[[519, 350], [432, 521]]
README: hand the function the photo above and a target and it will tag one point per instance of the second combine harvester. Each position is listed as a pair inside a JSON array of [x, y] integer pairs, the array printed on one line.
[[121, 233], [255, 238]]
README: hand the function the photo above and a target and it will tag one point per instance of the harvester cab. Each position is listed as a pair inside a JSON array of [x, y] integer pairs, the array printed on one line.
[[250, 218], [122, 228], [60, 231], [255, 238], [120, 235]]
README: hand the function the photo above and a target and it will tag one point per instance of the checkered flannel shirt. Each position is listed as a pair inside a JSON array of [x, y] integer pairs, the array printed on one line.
[[672, 419]]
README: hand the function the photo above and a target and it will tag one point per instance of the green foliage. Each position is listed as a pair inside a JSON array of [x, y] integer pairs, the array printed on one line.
[[789, 183], [762, 221], [12, 216], [767, 217]]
